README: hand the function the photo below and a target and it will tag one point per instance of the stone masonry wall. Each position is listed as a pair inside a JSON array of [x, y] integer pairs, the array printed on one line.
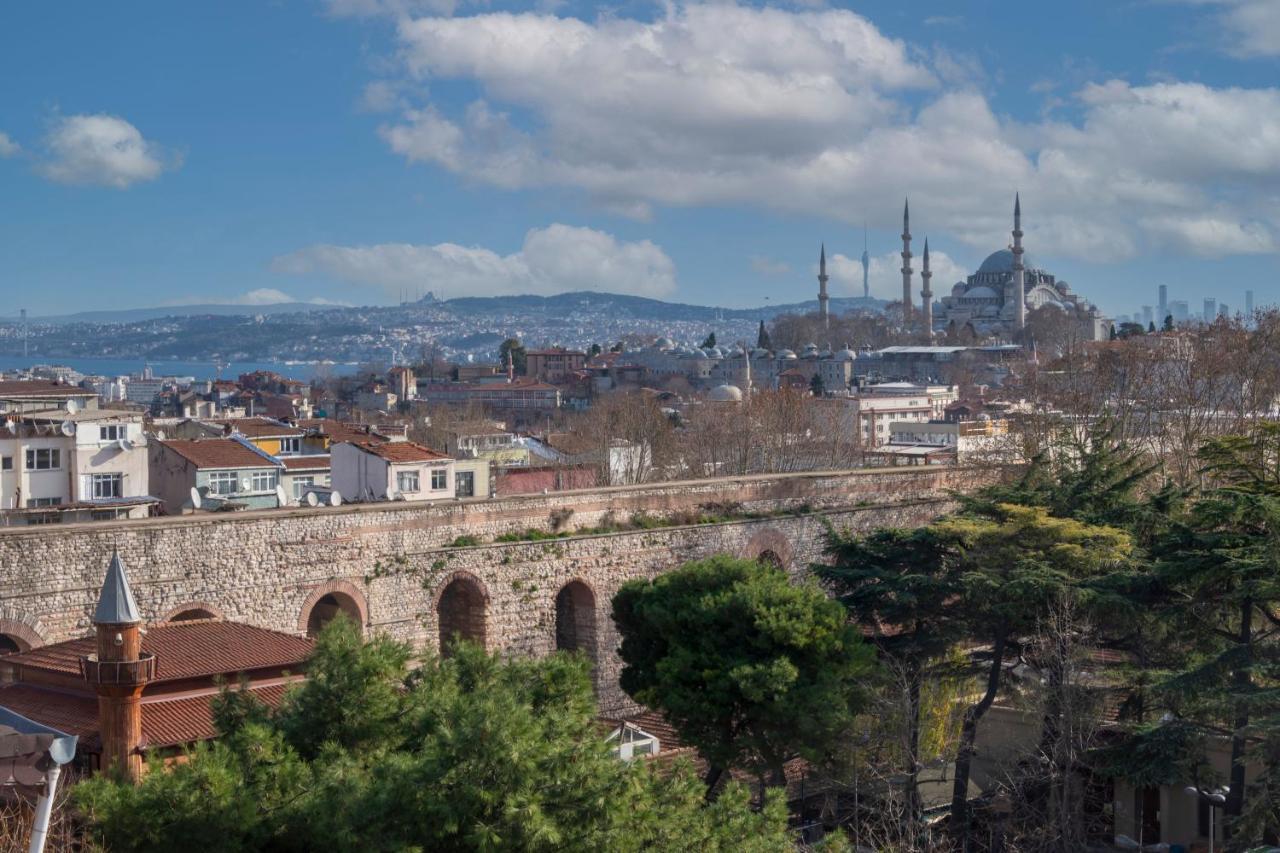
[[390, 563]]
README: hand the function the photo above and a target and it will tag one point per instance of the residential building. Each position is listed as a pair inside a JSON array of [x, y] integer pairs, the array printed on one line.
[[913, 442], [392, 470], [36, 395], [870, 416], [471, 478], [520, 395], [554, 365], [939, 396], [302, 474], [226, 472]]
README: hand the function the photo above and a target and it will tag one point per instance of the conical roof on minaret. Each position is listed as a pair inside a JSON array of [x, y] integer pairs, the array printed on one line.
[[822, 257], [926, 252], [1017, 204], [115, 603]]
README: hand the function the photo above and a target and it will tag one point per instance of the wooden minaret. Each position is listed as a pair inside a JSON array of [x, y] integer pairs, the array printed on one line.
[[118, 672]]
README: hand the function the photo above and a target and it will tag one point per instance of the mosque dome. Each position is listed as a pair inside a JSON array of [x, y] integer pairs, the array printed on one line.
[[980, 292], [1002, 261], [786, 354], [725, 394], [664, 343], [846, 355]]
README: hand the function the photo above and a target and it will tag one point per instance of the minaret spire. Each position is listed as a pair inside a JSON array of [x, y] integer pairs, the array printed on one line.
[[866, 266], [824, 310], [906, 263], [926, 295], [1019, 273]]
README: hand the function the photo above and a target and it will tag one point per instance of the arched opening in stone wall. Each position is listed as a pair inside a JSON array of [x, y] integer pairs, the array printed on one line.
[[770, 558], [190, 614], [10, 645], [327, 608], [461, 613], [576, 619]]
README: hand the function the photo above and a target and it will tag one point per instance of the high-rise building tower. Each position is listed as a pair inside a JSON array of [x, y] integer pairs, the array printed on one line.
[[1224, 310], [926, 295], [118, 672], [906, 264], [866, 267], [824, 310], [1248, 304], [1210, 310], [1019, 273], [1163, 303], [1148, 315]]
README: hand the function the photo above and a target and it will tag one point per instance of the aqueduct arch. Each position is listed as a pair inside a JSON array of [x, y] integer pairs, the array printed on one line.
[[19, 634], [326, 601], [770, 546], [462, 612], [576, 619], [192, 610]]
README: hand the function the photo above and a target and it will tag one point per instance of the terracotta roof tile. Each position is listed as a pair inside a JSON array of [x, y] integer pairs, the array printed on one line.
[[262, 428], [217, 453], [317, 462], [41, 388], [400, 451], [338, 431], [185, 650]]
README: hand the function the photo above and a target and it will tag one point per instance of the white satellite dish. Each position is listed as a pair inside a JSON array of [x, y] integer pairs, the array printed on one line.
[[160, 434], [67, 428], [195, 498], [125, 444], [245, 485], [335, 499], [312, 500], [72, 407], [282, 498]]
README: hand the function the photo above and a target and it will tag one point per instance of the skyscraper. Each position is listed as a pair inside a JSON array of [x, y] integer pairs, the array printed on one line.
[[1248, 304], [1180, 311], [1148, 315], [1210, 312], [1163, 302]]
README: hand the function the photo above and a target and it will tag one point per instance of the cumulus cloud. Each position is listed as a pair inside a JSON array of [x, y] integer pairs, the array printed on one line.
[[884, 274], [101, 150], [763, 265], [8, 148], [804, 111], [552, 260], [258, 296], [1251, 28]]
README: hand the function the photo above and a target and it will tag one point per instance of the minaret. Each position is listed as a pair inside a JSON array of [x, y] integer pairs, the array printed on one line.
[[906, 264], [1019, 274], [926, 295], [118, 673], [824, 310], [866, 266]]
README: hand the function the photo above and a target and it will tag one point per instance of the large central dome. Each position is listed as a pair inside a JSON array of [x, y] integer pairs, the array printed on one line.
[[1002, 261]]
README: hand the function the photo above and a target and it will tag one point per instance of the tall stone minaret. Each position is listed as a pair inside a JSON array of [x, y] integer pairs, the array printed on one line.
[[926, 295], [1019, 274], [906, 264], [824, 309], [866, 266], [118, 672]]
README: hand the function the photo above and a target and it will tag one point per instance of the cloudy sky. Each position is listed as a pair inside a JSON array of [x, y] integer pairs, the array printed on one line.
[[356, 150]]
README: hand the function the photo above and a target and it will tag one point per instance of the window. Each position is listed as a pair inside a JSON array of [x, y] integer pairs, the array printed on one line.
[[439, 479], [108, 485], [465, 484], [301, 485], [6, 463], [112, 432], [44, 459], [263, 481], [45, 518], [290, 446], [407, 481], [104, 515], [43, 501], [223, 483]]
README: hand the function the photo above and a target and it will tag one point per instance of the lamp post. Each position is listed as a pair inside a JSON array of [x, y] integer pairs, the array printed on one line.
[[1215, 799]]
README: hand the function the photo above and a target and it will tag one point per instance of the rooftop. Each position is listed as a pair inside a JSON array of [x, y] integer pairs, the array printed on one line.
[[317, 462], [217, 453], [261, 428], [400, 451], [17, 388]]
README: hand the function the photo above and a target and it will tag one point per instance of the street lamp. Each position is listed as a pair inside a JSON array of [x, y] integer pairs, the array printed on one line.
[[1215, 799]]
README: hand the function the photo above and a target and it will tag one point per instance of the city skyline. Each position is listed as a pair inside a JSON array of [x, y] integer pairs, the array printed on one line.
[[386, 150]]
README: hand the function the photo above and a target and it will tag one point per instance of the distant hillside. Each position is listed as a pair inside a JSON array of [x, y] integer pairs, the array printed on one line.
[[138, 315]]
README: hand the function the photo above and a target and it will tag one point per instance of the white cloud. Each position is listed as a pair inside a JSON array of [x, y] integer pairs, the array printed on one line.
[[8, 148], [552, 260], [259, 296], [101, 150], [884, 274], [1251, 27], [817, 111]]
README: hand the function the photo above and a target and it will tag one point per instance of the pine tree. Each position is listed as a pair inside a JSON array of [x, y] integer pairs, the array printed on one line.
[[762, 338]]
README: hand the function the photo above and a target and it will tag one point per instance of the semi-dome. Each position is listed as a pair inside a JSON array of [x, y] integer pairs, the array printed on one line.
[[725, 394], [1002, 261], [980, 292]]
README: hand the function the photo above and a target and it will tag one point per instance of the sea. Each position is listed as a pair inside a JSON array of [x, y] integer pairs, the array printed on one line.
[[304, 371]]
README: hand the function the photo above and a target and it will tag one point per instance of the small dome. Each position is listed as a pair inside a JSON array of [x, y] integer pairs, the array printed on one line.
[[846, 355], [665, 343], [980, 292], [725, 394], [759, 352], [786, 353]]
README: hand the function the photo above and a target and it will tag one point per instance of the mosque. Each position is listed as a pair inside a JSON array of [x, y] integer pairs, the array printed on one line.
[[987, 301]]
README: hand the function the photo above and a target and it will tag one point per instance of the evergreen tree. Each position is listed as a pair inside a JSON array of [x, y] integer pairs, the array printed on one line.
[[1168, 322], [513, 348], [709, 341], [816, 386], [1151, 327], [762, 338], [752, 669]]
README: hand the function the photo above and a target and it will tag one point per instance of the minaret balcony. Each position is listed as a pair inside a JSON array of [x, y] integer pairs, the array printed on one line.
[[138, 671]]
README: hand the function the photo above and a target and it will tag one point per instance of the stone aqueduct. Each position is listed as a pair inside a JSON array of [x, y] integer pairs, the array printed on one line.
[[394, 567]]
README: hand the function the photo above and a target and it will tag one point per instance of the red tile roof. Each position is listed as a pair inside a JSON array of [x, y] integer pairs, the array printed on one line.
[[261, 428], [197, 649], [400, 451], [217, 453], [338, 431], [318, 462], [41, 388]]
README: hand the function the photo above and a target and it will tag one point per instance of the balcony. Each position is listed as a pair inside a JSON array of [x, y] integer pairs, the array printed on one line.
[[118, 672]]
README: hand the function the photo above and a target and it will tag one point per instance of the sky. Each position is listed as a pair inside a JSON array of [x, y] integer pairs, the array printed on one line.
[[360, 151]]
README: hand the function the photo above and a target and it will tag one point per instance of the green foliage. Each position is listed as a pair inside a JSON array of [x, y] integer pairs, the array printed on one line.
[[762, 338], [464, 541], [513, 348], [709, 342], [470, 753], [751, 668], [816, 387]]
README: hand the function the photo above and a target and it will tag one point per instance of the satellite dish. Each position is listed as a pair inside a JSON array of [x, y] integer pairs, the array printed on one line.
[[72, 407], [282, 498], [68, 428], [160, 434], [335, 499], [196, 498], [312, 500], [245, 485], [125, 444]]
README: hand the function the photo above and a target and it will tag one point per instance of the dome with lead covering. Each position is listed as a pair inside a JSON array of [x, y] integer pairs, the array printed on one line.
[[725, 394], [1002, 261]]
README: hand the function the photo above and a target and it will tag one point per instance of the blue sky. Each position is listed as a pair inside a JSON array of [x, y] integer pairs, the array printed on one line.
[[352, 150]]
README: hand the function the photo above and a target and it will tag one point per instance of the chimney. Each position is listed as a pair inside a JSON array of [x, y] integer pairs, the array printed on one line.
[[119, 672]]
